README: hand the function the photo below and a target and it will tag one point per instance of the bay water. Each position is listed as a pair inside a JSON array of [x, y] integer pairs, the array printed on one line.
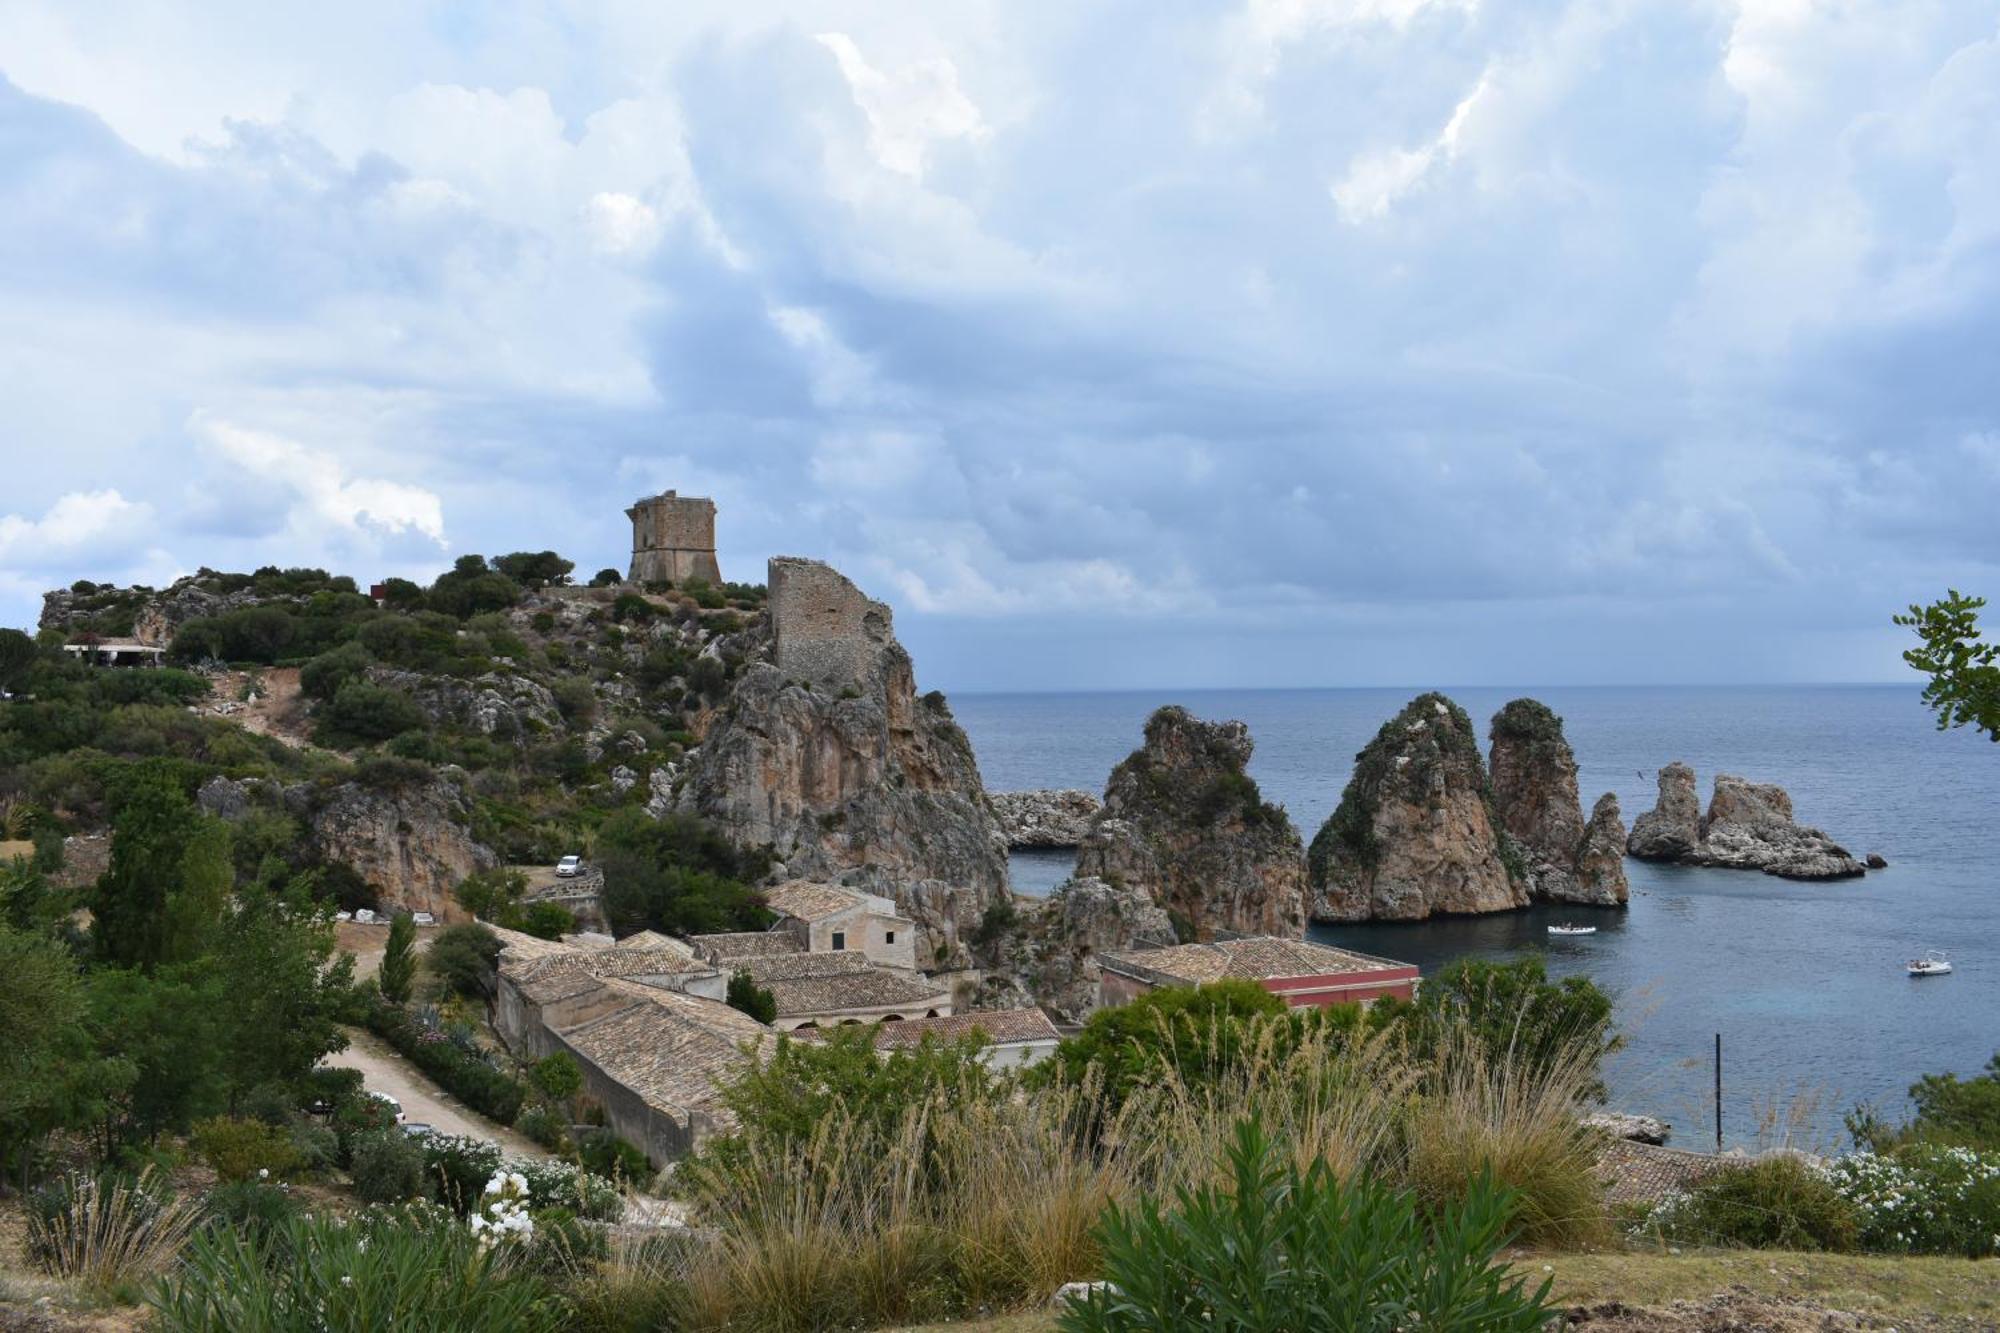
[[1805, 982]]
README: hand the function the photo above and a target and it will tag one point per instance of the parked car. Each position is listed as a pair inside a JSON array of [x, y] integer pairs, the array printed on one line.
[[569, 865], [416, 1128], [423, 918], [389, 1102], [363, 916]]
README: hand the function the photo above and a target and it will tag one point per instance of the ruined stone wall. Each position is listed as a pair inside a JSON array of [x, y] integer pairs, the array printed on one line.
[[828, 632], [673, 539]]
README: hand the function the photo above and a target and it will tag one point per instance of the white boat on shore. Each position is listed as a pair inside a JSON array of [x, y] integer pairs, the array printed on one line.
[[1571, 928], [1932, 964]]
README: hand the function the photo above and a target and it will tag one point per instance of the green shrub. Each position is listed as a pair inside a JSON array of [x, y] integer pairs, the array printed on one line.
[[108, 1232], [1282, 1249], [238, 1149], [1924, 1199], [322, 677], [557, 1076], [1203, 1032], [546, 1126], [413, 1270], [750, 998], [463, 958], [1776, 1203], [388, 1167], [317, 1146], [458, 1168], [464, 1074], [603, 1153], [363, 712], [254, 1207]]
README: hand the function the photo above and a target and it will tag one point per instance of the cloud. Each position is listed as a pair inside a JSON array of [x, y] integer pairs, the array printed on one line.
[[320, 486], [1338, 324], [73, 524]]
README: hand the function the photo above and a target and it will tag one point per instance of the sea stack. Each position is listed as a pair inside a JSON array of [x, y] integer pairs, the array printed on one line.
[[1535, 803], [1414, 835], [1182, 819], [1749, 826]]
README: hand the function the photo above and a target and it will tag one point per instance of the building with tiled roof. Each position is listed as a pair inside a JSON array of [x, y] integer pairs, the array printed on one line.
[[833, 919], [1014, 1037], [537, 992], [830, 989], [1299, 972], [724, 946], [655, 1059]]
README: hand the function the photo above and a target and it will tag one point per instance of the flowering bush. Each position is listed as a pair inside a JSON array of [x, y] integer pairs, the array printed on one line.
[[557, 1184], [502, 1214], [1924, 1199], [458, 1167], [1783, 1203]]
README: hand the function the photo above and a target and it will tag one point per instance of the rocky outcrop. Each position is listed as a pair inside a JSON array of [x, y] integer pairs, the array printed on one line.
[[495, 704], [825, 753], [1049, 958], [1044, 819], [1671, 830], [1183, 820], [1629, 1127], [1535, 802], [409, 842], [1413, 835], [1749, 826]]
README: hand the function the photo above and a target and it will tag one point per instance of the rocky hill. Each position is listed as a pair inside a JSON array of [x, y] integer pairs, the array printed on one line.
[[825, 753]]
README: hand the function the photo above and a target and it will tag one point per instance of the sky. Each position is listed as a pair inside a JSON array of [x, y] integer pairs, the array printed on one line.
[[1115, 343]]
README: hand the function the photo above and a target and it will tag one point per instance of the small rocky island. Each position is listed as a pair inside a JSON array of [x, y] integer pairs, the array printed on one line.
[[1749, 826]]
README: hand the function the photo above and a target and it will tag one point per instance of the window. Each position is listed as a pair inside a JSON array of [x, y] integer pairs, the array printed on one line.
[[839, 939], [888, 937]]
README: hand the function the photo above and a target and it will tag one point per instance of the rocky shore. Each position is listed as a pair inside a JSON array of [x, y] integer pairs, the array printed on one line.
[[1045, 820]]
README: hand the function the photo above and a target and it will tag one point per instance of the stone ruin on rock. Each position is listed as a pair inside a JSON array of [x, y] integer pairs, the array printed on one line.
[[673, 539], [828, 633]]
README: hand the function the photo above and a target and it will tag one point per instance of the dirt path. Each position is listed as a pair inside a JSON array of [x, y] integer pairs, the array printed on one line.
[[277, 711], [384, 1070]]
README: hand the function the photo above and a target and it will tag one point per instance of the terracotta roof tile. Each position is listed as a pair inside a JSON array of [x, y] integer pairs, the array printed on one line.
[[670, 1049], [809, 901], [558, 976], [735, 944], [1255, 958], [1001, 1026]]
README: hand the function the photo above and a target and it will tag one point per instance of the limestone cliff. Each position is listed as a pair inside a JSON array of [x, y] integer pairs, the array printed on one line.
[[1049, 957], [1413, 835], [409, 842], [1601, 859], [1535, 802], [825, 753], [1044, 819], [1749, 826], [1183, 820]]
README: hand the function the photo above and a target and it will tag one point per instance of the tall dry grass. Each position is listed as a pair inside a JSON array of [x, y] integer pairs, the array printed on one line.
[[967, 1205], [111, 1233]]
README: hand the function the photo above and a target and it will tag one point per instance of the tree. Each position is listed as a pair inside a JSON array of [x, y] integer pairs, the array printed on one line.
[[1514, 1012], [606, 578], [677, 874], [17, 658], [557, 1076], [278, 985], [170, 872], [1964, 673], [364, 712], [322, 677], [399, 960], [463, 958], [471, 588], [750, 998], [161, 1032], [48, 1074], [1201, 1031], [535, 569]]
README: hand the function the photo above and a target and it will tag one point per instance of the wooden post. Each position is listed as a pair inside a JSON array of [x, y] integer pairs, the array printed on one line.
[[1718, 1092]]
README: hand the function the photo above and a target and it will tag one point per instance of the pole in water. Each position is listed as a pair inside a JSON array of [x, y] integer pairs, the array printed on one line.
[[1718, 1092]]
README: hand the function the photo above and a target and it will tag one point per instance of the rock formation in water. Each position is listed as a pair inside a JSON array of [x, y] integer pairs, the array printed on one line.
[[1671, 830], [1044, 819], [1414, 834], [825, 753], [1183, 820], [1535, 803], [1749, 826], [1049, 956]]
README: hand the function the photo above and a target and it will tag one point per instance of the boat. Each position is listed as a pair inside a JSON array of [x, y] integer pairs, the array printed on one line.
[[1932, 964], [1571, 928]]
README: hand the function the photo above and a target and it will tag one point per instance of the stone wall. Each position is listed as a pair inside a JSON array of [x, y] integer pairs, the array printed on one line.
[[829, 634], [673, 539]]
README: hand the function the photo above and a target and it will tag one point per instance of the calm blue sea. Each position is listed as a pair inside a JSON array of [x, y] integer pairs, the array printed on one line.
[[1804, 982]]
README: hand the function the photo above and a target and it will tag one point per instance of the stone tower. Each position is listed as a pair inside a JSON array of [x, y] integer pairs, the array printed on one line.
[[673, 539]]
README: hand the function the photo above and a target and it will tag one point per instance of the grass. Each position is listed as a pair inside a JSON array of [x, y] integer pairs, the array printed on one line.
[[1891, 1287]]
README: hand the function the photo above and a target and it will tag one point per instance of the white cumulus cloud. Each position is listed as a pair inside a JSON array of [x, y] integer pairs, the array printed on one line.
[[320, 483]]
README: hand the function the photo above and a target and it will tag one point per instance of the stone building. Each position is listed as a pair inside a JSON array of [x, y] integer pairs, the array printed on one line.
[[829, 633], [673, 539], [1298, 972], [835, 989]]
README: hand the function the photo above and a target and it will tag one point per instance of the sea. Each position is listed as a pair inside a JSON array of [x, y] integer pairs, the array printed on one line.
[[1804, 983]]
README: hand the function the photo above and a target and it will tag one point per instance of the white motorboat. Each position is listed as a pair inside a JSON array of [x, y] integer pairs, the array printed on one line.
[[1571, 928], [1932, 964]]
